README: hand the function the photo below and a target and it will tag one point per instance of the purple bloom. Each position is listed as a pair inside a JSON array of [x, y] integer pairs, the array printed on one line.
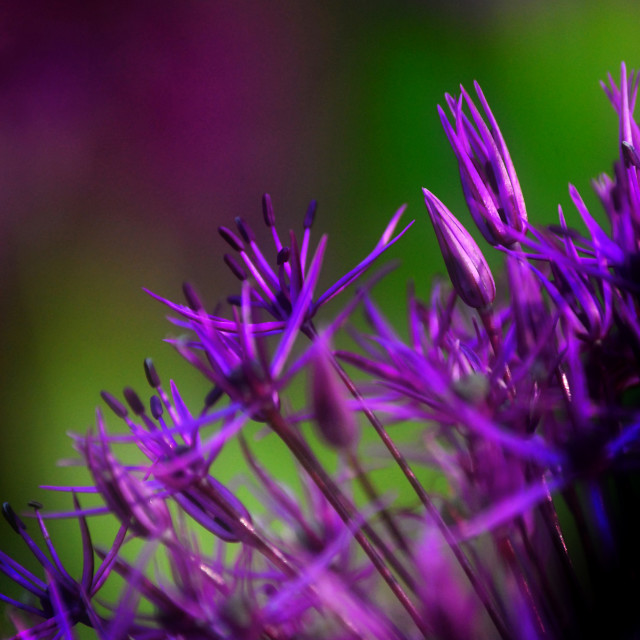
[[512, 421], [285, 290], [62, 601], [489, 179], [126, 496]]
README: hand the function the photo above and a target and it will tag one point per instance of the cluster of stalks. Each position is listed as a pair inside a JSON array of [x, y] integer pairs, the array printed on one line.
[[520, 395]]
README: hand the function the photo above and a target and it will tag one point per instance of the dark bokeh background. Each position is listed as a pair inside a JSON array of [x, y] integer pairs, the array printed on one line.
[[130, 130]]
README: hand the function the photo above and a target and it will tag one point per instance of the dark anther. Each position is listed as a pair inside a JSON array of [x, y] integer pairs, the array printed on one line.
[[152, 375], [35, 504], [630, 155], [10, 516], [310, 215], [245, 230], [235, 266], [234, 301], [231, 238], [114, 404], [283, 255], [267, 210], [156, 407], [133, 400], [192, 298]]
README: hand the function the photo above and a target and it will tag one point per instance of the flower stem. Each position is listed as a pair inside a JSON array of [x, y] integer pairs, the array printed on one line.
[[426, 501], [347, 512]]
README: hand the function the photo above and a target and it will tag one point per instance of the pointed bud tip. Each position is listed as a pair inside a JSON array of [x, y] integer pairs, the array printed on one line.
[[267, 210], [467, 267], [336, 423], [152, 375]]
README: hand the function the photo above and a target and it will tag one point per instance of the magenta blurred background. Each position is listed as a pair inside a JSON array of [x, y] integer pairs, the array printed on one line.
[[128, 133]]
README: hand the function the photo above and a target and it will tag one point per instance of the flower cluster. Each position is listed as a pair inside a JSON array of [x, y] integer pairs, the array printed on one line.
[[519, 394]]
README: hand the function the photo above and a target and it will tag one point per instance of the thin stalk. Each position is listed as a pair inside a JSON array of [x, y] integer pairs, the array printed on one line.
[[372, 494], [250, 536], [488, 322], [546, 591], [346, 511], [509, 554], [426, 501]]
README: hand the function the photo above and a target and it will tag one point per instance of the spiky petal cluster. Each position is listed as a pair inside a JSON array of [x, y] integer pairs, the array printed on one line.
[[510, 415]]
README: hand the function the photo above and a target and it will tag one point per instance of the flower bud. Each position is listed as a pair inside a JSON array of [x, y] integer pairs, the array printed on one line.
[[489, 180], [467, 267], [336, 423]]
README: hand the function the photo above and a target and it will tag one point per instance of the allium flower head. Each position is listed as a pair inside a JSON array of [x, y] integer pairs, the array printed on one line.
[[62, 601], [489, 180], [278, 288], [512, 422], [125, 495]]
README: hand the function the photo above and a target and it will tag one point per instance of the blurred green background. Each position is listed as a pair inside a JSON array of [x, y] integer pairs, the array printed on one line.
[[130, 130]]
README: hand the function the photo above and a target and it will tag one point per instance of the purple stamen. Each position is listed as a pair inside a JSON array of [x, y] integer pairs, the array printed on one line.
[[192, 297], [231, 239], [245, 230], [150, 371], [267, 210], [114, 404], [235, 266], [133, 400]]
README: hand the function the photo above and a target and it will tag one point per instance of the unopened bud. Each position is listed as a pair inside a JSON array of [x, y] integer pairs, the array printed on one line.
[[336, 423], [467, 267]]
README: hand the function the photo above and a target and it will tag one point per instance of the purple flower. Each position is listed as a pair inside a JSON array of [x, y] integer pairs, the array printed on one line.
[[62, 601], [126, 495], [489, 179], [500, 500], [285, 291]]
